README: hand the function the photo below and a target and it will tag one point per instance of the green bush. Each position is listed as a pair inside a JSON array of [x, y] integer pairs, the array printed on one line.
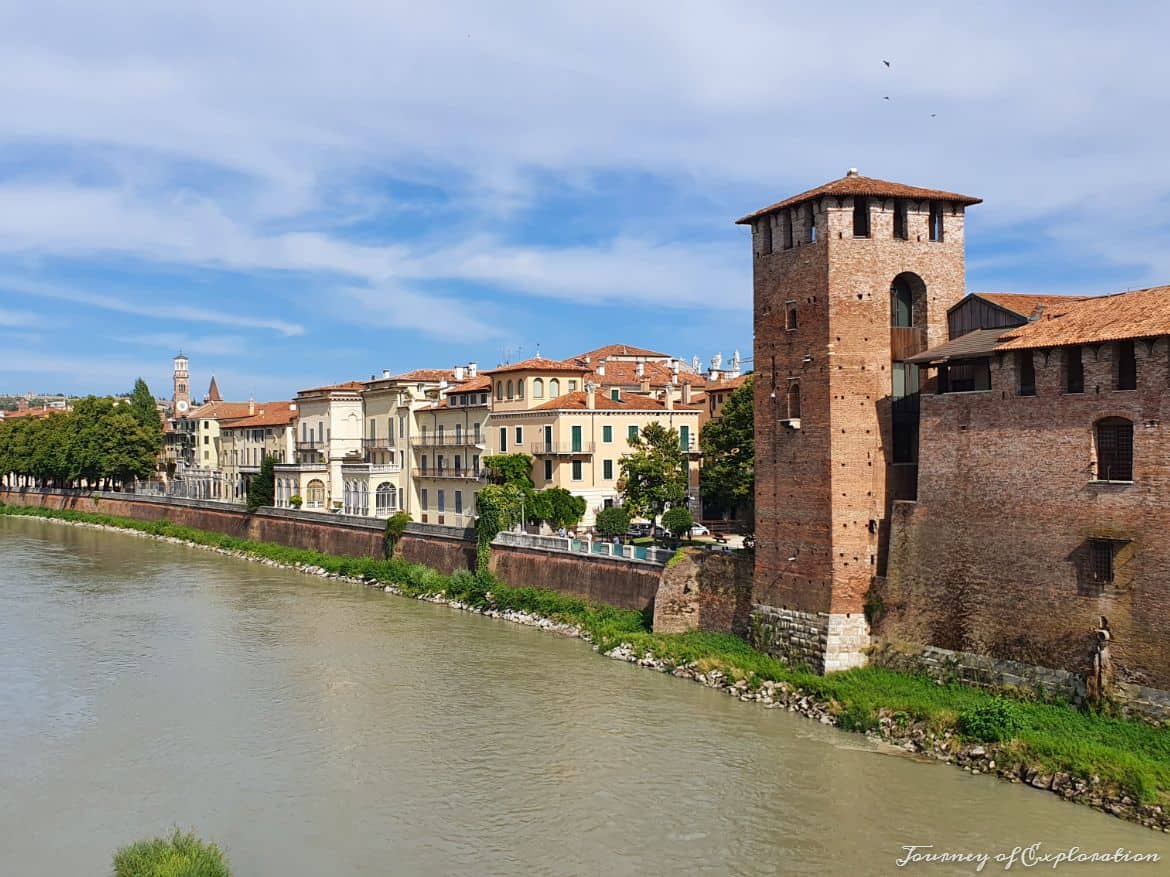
[[182, 855], [678, 521], [992, 722], [613, 521], [395, 527]]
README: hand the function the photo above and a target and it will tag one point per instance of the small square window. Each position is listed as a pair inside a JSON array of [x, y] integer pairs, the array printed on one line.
[[1101, 555]]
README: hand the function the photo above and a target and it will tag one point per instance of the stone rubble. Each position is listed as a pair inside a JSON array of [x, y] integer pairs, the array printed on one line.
[[894, 728]]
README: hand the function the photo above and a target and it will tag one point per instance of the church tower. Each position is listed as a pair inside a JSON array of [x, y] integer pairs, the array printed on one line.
[[181, 397], [850, 279]]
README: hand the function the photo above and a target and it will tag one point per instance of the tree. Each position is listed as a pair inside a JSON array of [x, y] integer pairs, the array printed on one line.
[[509, 469], [145, 410], [654, 476], [729, 457], [499, 507], [559, 507], [262, 488], [613, 521], [678, 521]]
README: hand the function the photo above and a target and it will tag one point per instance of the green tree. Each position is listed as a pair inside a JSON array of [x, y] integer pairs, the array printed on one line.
[[499, 507], [145, 409], [678, 521], [654, 475], [728, 480], [559, 507], [613, 521], [262, 488], [509, 469]]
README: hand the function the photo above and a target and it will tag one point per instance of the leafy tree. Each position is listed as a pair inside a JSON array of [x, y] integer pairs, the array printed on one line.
[[262, 488], [145, 410], [654, 476], [678, 521], [729, 457], [499, 507], [395, 527], [509, 469], [613, 521], [559, 507]]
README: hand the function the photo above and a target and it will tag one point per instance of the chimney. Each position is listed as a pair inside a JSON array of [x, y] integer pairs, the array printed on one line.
[[669, 400], [640, 370], [472, 368], [644, 386], [385, 373], [590, 395], [251, 406], [459, 373], [601, 369], [587, 359], [674, 378], [686, 394]]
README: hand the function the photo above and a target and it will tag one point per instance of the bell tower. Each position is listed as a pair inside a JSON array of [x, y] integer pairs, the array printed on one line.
[[181, 397], [850, 279]]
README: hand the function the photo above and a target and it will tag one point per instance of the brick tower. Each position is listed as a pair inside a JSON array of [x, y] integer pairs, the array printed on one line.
[[181, 379], [849, 279]]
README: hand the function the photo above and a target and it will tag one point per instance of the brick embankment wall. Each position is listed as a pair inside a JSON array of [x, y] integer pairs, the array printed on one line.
[[705, 591], [446, 549], [623, 583]]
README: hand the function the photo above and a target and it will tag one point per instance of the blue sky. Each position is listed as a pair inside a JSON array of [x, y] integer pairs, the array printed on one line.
[[301, 193]]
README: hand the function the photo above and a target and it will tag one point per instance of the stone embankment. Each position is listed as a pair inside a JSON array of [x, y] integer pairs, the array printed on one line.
[[917, 739]]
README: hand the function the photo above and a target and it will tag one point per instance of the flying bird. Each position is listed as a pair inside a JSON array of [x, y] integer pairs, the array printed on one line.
[[887, 97], [884, 61]]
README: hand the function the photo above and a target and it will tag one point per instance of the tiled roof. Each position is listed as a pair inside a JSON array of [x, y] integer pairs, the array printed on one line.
[[34, 412], [538, 363], [576, 401], [219, 411], [269, 414], [981, 342], [426, 375], [1025, 304], [616, 350], [856, 184], [474, 385], [1144, 313], [347, 385], [213, 391], [724, 386], [623, 373]]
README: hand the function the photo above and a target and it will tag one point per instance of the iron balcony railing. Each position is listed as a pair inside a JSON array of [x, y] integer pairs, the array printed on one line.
[[378, 444], [550, 449], [455, 440], [446, 472]]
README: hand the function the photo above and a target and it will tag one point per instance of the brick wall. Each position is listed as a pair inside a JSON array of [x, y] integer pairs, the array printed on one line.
[[991, 558], [615, 582], [705, 590]]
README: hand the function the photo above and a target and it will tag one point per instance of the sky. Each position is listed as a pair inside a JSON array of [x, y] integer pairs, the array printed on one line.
[[301, 193]]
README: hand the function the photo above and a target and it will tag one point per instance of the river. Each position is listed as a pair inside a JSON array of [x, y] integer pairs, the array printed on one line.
[[313, 727]]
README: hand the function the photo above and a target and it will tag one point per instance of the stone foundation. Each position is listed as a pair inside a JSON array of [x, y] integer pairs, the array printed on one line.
[[704, 590], [824, 642]]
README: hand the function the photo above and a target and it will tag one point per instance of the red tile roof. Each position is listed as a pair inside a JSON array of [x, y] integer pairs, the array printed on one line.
[[426, 375], [477, 384], [1144, 313], [616, 350], [624, 373], [1024, 304], [576, 401], [219, 411], [268, 414], [34, 412], [347, 385], [728, 385], [856, 184], [538, 363]]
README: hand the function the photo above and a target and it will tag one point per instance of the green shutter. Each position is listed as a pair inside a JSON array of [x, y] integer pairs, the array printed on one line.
[[684, 437], [607, 433], [632, 432]]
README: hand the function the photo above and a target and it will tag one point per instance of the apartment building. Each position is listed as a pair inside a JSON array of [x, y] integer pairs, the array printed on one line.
[[447, 447], [329, 435], [270, 431]]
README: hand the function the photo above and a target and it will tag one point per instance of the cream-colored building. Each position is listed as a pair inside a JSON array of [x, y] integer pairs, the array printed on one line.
[[447, 449], [328, 436], [270, 431]]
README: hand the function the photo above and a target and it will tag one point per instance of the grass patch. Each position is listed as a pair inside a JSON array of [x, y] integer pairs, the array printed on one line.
[[1132, 755], [181, 855]]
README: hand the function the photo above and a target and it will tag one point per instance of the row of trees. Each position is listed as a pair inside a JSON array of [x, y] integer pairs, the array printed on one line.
[[101, 442]]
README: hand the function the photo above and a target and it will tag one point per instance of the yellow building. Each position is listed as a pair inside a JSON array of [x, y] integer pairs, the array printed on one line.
[[447, 446], [328, 436], [270, 431]]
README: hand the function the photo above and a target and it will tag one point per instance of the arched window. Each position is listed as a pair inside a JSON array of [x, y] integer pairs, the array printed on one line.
[[499, 391], [554, 388], [537, 388], [364, 506], [510, 391], [348, 503], [794, 400], [385, 499], [520, 389], [315, 491], [1114, 449], [901, 303]]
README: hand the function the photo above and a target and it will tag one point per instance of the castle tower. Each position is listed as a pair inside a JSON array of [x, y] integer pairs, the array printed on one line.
[[181, 396], [850, 279]]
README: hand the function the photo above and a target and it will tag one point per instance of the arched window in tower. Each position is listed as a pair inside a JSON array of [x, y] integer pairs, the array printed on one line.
[[520, 389], [511, 390], [794, 400], [901, 303], [860, 216], [499, 391], [554, 388], [537, 388]]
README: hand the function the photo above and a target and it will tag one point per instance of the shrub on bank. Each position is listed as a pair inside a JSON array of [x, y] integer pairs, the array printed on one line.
[[181, 855], [992, 722]]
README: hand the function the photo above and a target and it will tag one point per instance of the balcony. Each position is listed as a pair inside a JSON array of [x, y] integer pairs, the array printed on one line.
[[313, 445], [561, 449], [303, 466], [906, 341], [357, 467], [461, 440], [461, 474], [386, 443]]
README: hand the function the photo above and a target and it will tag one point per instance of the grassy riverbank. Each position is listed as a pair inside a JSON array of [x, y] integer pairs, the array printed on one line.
[[1117, 758]]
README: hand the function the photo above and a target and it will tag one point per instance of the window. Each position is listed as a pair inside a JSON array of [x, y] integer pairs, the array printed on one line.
[[607, 470], [936, 221], [901, 303], [206, 441], [440, 463], [615, 394], [503, 439], [1074, 370], [315, 494], [607, 434], [537, 388], [423, 498], [373, 428], [1025, 373], [519, 436], [442, 500], [321, 431], [794, 400], [631, 433], [575, 440], [1125, 369], [548, 470], [811, 228], [499, 391], [1101, 554], [458, 502], [475, 464], [765, 226], [511, 390], [901, 231], [1114, 449], [860, 217], [459, 433], [905, 379], [475, 433], [364, 504], [789, 221], [423, 464], [790, 316], [684, 437], [385, 498], [576, 470], [439, 430], [965, 376], [572, 386], [554, 388]]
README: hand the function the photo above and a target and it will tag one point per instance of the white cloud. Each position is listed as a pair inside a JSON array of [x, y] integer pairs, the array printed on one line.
[[206, 345], [18, 319]]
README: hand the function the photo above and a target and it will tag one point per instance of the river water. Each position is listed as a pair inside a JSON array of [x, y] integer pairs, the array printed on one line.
[[313, 727]]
